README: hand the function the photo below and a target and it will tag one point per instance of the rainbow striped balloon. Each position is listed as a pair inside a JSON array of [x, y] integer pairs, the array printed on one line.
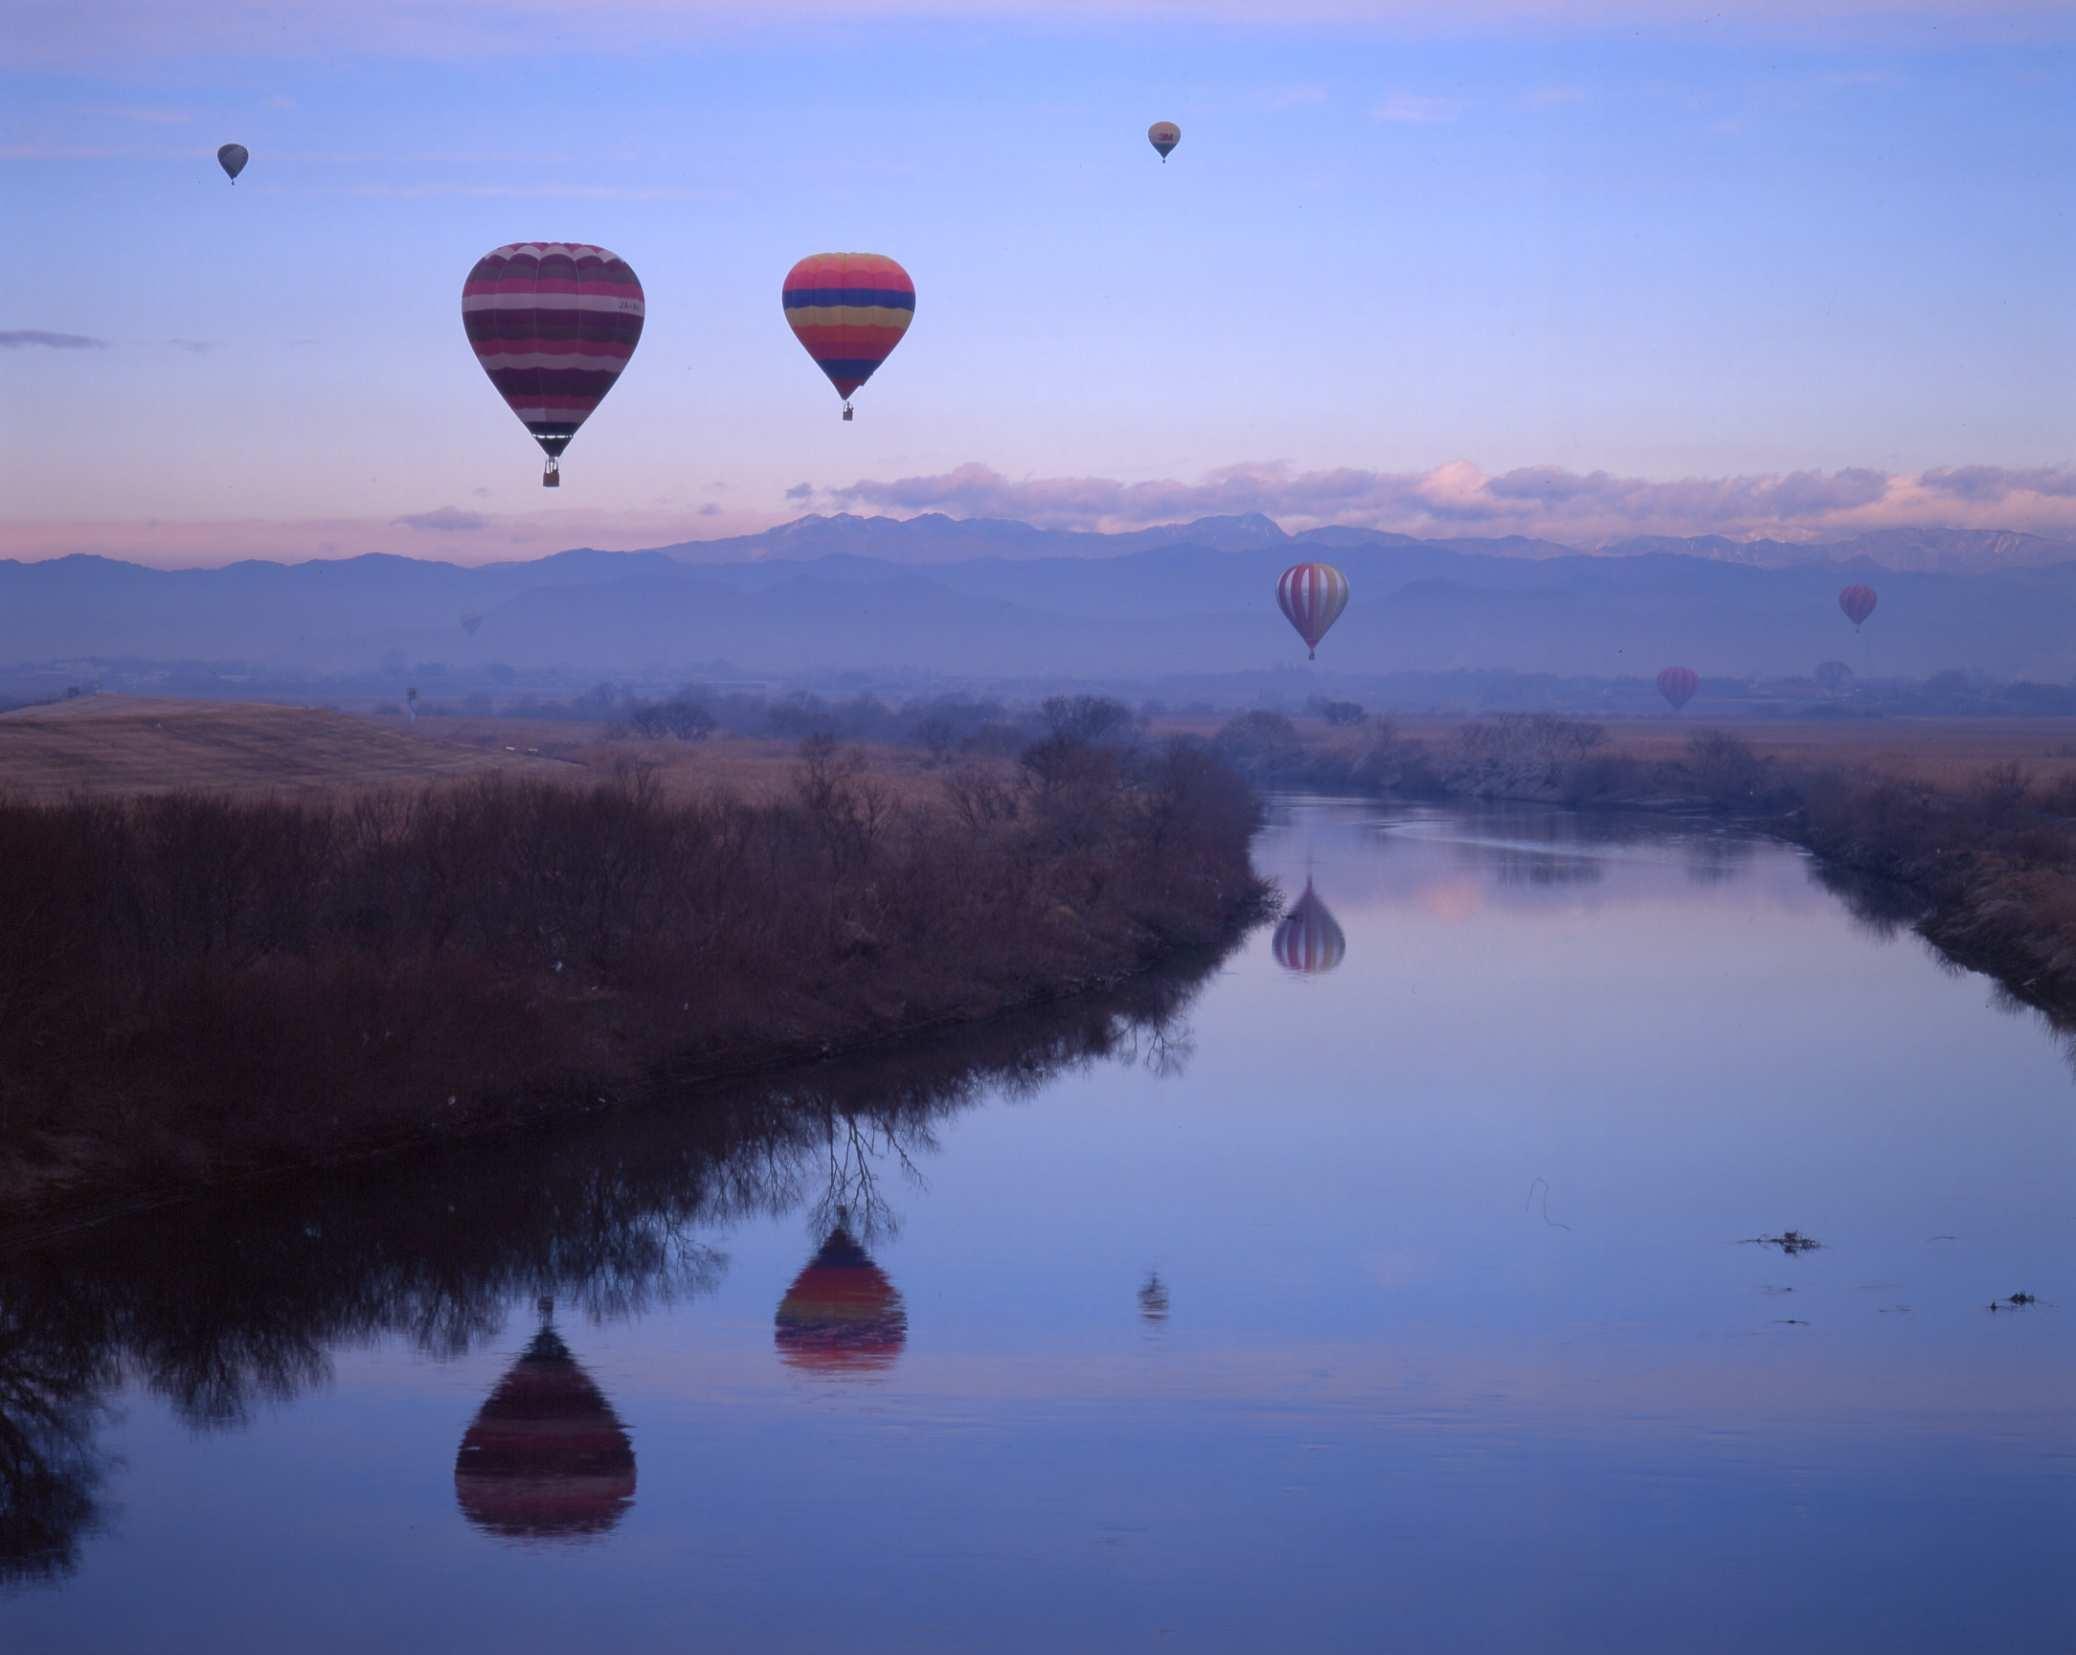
[[553, 323], [849, 311], [1312, 596], [841, 1315]]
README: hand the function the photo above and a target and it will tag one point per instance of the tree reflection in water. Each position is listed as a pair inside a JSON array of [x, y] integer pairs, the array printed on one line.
[[221, 1307]]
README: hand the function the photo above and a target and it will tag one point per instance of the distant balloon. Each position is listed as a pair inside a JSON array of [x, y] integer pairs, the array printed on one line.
[[232, 158], [1677, 685], [1835, 677], [1164, 136], [546, 1458], [849, 311], [1858, 603], [552, 323], [841, 1315], [1309, 939], [1312, 596], [470, 622], [1153, 1297]]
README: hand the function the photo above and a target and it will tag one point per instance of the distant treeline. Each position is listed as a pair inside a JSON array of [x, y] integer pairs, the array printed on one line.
[[192, 986], [984, 723], [944, 725]]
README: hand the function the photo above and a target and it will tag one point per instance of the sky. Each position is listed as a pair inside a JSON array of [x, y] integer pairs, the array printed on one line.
[[1580, 270]]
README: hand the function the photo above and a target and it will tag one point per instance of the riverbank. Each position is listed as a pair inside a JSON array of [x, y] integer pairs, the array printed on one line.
[[1980, 856], [202, 990]]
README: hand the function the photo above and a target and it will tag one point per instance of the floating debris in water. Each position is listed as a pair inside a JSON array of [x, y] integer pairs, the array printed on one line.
[[2017, 1301], [1895, 1310], [1773, 1292], [1790, 1242], [1790, 1321]]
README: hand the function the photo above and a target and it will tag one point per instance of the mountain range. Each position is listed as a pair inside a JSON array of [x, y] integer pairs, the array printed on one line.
[[935, 538], [994, 600]]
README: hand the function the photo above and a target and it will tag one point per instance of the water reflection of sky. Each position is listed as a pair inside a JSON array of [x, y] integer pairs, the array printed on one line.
[[1391, 1402]]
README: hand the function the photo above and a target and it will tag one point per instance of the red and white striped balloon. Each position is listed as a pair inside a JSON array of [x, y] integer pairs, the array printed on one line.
[[1312, 596], [1858, 603], [552, 323]]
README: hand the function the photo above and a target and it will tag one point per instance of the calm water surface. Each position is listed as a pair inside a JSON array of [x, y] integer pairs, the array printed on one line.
[[1397, 1301]]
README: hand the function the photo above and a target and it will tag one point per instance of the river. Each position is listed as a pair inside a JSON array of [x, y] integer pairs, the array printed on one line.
[[1393, 1284]]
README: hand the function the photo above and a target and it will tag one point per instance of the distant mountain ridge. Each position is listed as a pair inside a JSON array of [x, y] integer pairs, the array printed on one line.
[[982, 599], [935, 538], [1922, 551]]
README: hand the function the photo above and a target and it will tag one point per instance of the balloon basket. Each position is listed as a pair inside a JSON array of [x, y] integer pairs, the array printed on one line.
[[551, 475], [846, 412]]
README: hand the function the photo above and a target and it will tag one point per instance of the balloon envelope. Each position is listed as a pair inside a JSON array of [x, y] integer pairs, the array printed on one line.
[[1312, 596], [546, 1458], [1164, 136], [1309, 940], [841, 1315], [1858, 603], [1677, 685], [849, 311], [232, 158], [553, 323]]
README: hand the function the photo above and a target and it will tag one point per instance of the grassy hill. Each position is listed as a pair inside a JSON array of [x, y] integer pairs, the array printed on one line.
[[109, 744]]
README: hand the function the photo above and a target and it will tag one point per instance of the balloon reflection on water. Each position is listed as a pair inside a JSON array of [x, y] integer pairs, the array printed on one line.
[[1309, 940], [546, 1457], [841, 1315]]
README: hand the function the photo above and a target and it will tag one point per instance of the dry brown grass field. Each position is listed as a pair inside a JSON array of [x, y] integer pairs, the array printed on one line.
[[103, 746]]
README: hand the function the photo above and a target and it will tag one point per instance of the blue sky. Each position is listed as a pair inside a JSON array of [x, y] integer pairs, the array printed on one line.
[[1564, 269]]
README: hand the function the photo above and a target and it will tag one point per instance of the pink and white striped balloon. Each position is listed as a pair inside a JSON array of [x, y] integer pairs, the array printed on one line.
[[1312, 596]]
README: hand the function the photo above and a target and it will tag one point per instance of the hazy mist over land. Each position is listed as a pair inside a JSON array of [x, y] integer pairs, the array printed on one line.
[[996, 599]]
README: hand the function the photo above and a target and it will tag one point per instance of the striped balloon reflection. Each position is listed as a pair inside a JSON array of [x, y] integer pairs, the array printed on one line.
[[1309, 940], [841, 1316]]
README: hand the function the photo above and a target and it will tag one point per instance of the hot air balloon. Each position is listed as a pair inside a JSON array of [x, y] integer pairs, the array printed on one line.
[[546, 1458], [849, 311], [1312, 596], [553, 323], [232, 158], [1164, 136], [1677, 685], [841, 1315], [1309, 940], [1153, 1297], [1858, 603]]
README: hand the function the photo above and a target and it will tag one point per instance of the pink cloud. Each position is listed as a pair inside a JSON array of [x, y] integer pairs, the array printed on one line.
[[448, 533], [1579, 508], [1458, 498]]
